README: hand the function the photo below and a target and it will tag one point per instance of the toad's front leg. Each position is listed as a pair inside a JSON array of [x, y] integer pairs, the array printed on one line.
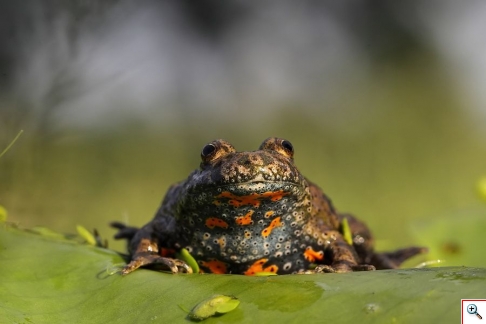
[[144, 247], [342, 255], [147, 253]]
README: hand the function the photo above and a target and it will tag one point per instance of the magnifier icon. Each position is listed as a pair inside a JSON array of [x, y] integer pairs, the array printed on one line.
[[472, 309]]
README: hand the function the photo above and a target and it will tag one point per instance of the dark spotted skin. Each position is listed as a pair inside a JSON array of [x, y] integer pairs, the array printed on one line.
[[250, 212]]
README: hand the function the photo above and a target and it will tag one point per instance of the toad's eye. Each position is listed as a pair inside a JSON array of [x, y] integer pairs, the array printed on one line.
[[288, 147], [279, 145], [208, 150], [215, 150]]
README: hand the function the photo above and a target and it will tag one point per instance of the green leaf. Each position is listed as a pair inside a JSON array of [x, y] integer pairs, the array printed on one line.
[[3, 214], [48, 279], [216, 304], [228, 306], [47, 232]]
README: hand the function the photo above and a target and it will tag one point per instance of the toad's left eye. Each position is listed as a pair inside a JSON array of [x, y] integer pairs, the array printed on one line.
[[279, 145]]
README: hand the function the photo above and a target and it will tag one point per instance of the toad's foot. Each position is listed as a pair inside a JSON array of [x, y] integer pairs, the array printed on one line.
[[340, 268], [393, 260], [124, 231], [144, 259]]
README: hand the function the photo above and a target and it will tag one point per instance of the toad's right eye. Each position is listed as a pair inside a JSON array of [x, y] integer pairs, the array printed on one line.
[[216, 150], [208, 150]]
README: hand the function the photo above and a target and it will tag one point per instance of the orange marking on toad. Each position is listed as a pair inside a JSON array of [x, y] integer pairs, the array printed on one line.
[[222, 242], [215, 266], [257, 266], [269, 213], [312, 255], [213, 222], [275, 223], [253, 199], [245, 220]]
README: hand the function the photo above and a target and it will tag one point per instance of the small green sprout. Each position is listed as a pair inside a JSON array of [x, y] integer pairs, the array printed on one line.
[[185, 256], [264, 274], [482, 188], [3, 214], [346, 231], [86, 235], [214, 305], [11, 143], [94, 239]]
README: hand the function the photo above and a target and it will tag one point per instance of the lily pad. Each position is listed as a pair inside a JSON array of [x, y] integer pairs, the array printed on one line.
[[46, 279]]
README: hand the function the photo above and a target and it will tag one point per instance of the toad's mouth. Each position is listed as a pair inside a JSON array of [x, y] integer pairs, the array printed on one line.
[[256, 186], [254, 192]]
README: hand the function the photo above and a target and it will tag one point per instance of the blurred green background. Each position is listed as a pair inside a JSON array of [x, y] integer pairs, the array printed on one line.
[[383, 102]]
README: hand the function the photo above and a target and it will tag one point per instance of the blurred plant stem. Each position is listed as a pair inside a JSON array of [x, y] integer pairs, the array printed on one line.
[[12, 143]]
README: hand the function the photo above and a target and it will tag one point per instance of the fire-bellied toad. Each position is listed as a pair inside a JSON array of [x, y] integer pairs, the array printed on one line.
[[249, 212]]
